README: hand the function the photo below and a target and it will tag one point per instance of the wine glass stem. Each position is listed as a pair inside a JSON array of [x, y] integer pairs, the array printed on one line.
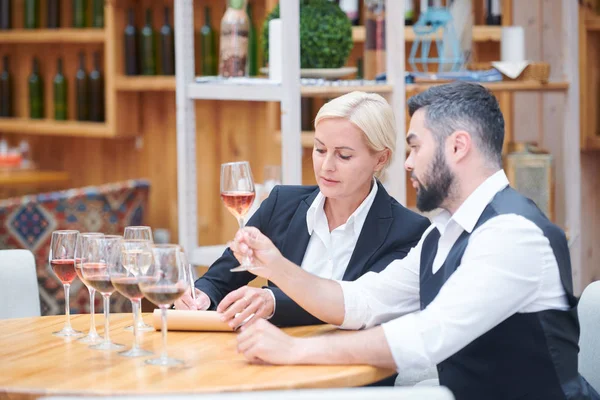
[[135, 305], [164, 333], [67, 286], [241, 222], [92, 312], [245, 259], [106, 313]]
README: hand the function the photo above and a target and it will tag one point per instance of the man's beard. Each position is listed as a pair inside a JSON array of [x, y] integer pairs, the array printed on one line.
[[439, 181]]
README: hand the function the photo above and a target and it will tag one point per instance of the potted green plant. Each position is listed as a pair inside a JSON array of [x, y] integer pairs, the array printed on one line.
[[325, 36]]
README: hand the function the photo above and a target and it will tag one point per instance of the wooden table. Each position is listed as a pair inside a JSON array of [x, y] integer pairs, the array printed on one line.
[[34, 363]]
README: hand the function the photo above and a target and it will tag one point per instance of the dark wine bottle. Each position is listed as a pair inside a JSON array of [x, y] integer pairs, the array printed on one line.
[[252, 45], [131, 46], [494, 13], [208, 47], [79, 13], [147, 46], [96, 91], [36, 92], [60, 93], [409, 12], [81, 90], [167, 46], [98, 13], [31, 14], [5, 15], [53, 14], [5, 91]]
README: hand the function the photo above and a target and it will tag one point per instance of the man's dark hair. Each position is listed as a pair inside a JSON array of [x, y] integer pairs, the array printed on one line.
[[463, 106]]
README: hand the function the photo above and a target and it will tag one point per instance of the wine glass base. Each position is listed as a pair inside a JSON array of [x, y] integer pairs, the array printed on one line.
[[164, 362], [240, 268], [135, 353], [141, 328], [67, 332], [90, 338], [107, 346]]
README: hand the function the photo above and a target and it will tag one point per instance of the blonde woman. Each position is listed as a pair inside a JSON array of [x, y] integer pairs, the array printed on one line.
[[341, 229]]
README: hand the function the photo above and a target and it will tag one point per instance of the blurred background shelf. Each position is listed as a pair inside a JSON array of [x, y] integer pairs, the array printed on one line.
[[482, 33], [145, 83], [63, 35], [49, 127]]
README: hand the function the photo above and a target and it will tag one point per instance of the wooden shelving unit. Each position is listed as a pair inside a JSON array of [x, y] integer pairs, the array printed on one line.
[[63, 35], [48, 127], [481, 33], [589, 72], [505, 86], [592, 23], [145, 83], [32, 177]]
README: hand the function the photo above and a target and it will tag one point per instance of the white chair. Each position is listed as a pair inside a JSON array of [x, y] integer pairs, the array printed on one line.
[[589, 341], [19, 293], [379, 393]]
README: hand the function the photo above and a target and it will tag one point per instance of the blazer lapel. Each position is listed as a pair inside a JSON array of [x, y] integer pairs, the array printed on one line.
[[375, 229], [297, 237]]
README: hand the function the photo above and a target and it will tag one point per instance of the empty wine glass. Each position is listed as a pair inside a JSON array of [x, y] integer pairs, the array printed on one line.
[[62, 261], [237, 193], [101, 254], [92, 337], [165, 282], [136, 256], [189, 272], [140, 233]]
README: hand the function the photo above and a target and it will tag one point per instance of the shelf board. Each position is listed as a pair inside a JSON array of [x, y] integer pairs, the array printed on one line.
[[259, 89], [328, 91], [592, 143], [592, 23], [48, 127], [63, 35], [31, 177], [506, 86], [145, 83], [481, 33]]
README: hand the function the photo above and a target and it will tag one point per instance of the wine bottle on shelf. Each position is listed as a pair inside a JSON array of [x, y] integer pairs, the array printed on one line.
[[96, 91], [208, 46], [409, 12], [131, 46], [81, 90], [36, 92], [60, 93], [31, 14], [98, 13], [252, 45], [5, 15], [5, 90], [79, 13], [53, 14], [148, 50], [350, 8], [167, 47], [493, 13]]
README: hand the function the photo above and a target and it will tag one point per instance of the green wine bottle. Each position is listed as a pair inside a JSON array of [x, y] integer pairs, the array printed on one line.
[[31, 14], [5, 91], [252, 45], [96, 91], [5, 15], [208, 47], [167, 46], [98, 13], [81, 90], [60, 93], [79, 13], [131, 46], [36, 92], [148, 49]]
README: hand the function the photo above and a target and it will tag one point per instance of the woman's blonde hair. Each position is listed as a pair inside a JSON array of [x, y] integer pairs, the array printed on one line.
[[370, 113]]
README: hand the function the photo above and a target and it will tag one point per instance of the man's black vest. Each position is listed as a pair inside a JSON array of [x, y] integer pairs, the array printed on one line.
[[527, 356]]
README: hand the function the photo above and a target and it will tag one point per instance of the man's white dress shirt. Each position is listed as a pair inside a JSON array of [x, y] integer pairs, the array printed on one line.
[[508, 267]]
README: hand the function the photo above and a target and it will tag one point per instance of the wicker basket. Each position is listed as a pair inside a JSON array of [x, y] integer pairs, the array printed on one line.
[[536, 71]]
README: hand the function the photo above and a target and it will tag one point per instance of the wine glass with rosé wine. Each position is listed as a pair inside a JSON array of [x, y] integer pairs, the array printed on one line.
[[163, 283], [102, 253], [62, 261], [92, 337], [237, 193]]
